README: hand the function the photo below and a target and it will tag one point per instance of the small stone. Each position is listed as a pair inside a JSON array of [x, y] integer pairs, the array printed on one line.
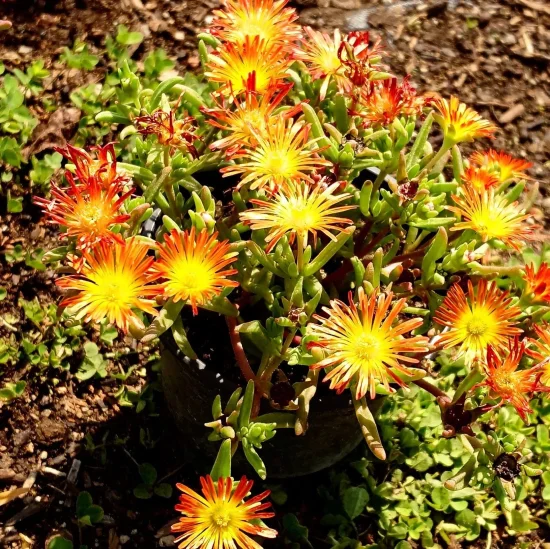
[[21, 438], [124, 539], [167, 541], [6, 474], [43, 455], [24, 50], [29, 448], [179, 35], [48, 431], [508, 39]]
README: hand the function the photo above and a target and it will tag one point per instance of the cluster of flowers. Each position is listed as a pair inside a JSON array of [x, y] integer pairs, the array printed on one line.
[[299, 193]]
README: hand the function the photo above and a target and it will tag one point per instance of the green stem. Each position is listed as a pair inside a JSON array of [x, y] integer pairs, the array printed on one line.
[[475, 376]]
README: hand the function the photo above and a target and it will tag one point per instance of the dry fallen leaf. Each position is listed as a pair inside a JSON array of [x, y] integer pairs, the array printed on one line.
[[9, 495]]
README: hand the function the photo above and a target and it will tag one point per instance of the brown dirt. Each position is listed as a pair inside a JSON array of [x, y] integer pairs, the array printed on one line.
[[495, 55]]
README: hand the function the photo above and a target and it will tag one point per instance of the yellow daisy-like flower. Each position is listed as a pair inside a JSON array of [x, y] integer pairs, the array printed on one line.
[[541, 351], [491, 217], [192, 266], [477, 319], [503, 165], [299, 210], [506, 382], [113, 281], [220, 518], [321, 54], [269, 20], [87, 211], [460, 122], [284, 155], [254, 64], [363, 343], [248, 115]]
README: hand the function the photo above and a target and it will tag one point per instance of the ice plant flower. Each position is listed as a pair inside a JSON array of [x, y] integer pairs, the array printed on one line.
[[114, 280], [541, 352], [491, 216], [176, 134], [192, 266], [385, 100], [250, 114], [359, 57], [269, 20], [100, 163], [363, 344], [299, 210], [88, 212], [320, 53], [506, 382], [479, 178], [503, 165], [220, 518], [537, 283], [254, 63], [477, 319], [284, 155], [459, 122]]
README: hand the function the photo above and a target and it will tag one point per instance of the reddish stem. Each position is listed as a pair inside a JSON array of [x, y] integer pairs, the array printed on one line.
[[362, 235], [238, 350], [442, 397], [370, 246]]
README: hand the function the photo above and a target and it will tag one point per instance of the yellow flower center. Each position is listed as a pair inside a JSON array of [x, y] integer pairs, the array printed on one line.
[[367, 347], [491, 223], [192, 276], [92, 215], [222, 517], [114, 289], [328, 62], [478, 328]]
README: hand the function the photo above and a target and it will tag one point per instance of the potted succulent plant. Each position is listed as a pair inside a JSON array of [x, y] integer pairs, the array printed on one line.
[[339, 257]]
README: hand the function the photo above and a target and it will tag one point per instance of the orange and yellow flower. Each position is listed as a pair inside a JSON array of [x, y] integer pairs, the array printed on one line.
[[176, 134], [479, 179], [283, 156], [114, 280], [491, 216], [320, 53], [192, 266], [254, 64], [503, 165], [460, 122], [537, 283], [88, 212], [360, 58], [101, 164], [477, 319], [269, 20], [506, 382], [541, 352], [385, 100], [248, 116], [299, 210], [220, 518], [364, 345]]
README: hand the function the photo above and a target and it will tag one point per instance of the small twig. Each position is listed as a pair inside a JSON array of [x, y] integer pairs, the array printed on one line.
[[442, 397]]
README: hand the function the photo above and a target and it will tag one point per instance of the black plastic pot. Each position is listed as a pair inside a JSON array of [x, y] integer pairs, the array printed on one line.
[[191, 386]]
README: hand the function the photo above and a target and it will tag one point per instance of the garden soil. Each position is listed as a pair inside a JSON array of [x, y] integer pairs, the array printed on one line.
[[65, 436]]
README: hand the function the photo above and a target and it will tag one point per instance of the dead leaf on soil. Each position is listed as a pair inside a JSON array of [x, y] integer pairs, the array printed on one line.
[[537, 6], [54, 132], [10, 495]]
